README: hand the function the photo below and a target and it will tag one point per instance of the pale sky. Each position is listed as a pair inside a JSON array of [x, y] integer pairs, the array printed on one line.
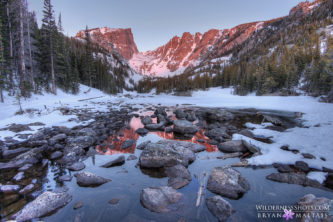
[[155, 22]]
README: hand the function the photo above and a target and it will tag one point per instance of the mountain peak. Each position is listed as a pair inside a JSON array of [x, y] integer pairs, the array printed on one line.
[[120, 39]]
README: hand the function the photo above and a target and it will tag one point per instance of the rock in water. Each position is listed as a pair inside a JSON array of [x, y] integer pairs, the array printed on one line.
[[227, 182], [146, 120], [76, 166], [128, 143], [164, 154], [44, 204], [116, 162], [87, 179], [293, 178], [219, 207], [232, 146], [158, 199], [178, 175], [184, 127]]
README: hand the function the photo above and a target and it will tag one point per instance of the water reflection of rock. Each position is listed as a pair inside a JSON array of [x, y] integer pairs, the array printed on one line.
[[113, 145]]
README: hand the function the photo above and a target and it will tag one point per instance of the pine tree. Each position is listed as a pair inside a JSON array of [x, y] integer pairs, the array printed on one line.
[[2, 64], [49, 30]]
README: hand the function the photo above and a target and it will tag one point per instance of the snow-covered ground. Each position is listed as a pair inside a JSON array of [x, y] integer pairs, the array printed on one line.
[[315, 140]]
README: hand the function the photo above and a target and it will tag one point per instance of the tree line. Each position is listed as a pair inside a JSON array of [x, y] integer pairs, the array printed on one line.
[[36, 59]]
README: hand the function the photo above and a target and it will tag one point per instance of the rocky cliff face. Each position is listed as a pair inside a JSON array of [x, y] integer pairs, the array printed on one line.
[[186, 51], [120, 39]]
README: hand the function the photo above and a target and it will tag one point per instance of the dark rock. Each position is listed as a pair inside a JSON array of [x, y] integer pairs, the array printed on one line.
[[302, 166], [251, 147], [329, 180], [76, 166], [165, 153], [178, 175], [158, 199], [308, 156], [58, 138], [8, 154], [160, 111], [232, 146], [116, 162], [246, 133], [87, 179], [114, 201], [146, 120], [78, 205], [180, 114], [65, 178], [43, 205], [293, 178], [282, 168], [213, 142], [201, 141], [143, 145], [56, 155], [311, 205], [274, 119], [142, 131], [33, 156], [128, 144], [16, 128], [191, 117], [168, 129], [218, 134], [227, 182], [131, 157], [184, 127], [153, 126], [219, 207], [194, 147]]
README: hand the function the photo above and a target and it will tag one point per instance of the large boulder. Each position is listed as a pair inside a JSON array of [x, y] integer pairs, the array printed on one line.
[[218, 134], [128, 144], [87, 179], [314, 206], [227, 182], [195, 147], [8, 154], [294, 178], [155, 126], [142, 131], [232, 146], [179, 176], [213, 115], [43, 205], [57, 138], [165, 154], [219, 207], [158, 199], [184, 127]]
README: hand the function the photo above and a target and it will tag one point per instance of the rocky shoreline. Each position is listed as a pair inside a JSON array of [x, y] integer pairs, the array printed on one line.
[[24, 163]]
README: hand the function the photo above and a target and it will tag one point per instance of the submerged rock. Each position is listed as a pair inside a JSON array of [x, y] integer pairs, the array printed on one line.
[[43, 205], [178, 175], [219, 207], [227, 182], [165, 154], [87, 179], [158, 199], [116, 162]]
